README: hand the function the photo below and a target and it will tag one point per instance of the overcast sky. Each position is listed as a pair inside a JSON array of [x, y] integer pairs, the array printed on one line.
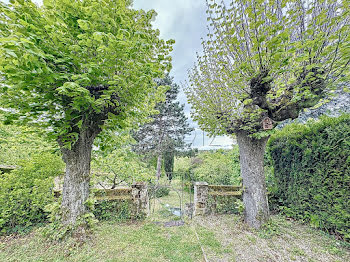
[[185, 22]]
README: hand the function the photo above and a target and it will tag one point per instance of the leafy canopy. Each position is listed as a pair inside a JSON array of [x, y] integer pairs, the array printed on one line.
[[267, 58], [73, 65]]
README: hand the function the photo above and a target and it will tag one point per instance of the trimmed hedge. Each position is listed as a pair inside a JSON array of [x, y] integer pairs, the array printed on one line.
[[312, 173]]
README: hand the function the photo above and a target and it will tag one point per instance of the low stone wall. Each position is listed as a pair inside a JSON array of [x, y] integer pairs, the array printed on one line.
[[137, 194], [206, 196]]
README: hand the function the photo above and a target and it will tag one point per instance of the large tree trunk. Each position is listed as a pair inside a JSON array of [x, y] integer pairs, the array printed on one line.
[[251, 153], [159, 166], [77, 177]]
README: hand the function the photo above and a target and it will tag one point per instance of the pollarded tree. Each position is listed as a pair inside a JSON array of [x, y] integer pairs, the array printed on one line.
[[76, 67], [266, 60]]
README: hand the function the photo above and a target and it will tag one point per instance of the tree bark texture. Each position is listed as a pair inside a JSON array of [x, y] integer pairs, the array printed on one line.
[[159, 166], [77, 177], [251, 153]]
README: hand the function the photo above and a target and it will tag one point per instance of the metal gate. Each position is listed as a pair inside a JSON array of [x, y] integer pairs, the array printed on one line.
[[171, 200]]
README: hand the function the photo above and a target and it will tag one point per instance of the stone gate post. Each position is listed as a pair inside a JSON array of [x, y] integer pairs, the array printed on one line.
[[140, 198], [201, 190]]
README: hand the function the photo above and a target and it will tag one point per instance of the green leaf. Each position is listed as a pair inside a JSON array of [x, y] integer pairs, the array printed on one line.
[[83, 24]]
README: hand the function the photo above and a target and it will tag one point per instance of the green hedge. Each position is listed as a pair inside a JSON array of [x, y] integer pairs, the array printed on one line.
[[312, 173], [117, 210], [26, 191]]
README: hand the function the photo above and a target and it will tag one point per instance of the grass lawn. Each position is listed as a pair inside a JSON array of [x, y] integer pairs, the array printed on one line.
[[223, 238]]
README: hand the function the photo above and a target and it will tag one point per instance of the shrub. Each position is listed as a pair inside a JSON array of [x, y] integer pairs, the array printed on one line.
[[25, 192], [117, 210], [312, 172], [218, 167], [225, 205]]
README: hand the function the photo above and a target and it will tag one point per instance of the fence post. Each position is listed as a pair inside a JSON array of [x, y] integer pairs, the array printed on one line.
[[201, 190], [140, 198]]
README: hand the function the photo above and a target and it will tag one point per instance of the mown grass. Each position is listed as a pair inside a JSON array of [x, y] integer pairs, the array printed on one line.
[[113, 242], [223, 238]]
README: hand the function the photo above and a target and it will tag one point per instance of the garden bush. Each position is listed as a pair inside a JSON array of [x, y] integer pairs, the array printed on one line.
[[216, 167], [311, 166], [225, 205], [116, 210], [26, 191], [219, 167]]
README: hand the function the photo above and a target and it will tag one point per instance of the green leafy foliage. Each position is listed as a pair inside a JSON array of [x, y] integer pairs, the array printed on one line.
[[220, 167], [58, 231], [116, 210], [77, 65], [26, 191], [225, 205], [20, 142], [312, 172], [115, 162], [267, 58]]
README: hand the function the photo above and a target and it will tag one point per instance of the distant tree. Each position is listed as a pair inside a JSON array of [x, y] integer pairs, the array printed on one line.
[[169, 155], [76, 68], [266, 59], [166, 131]]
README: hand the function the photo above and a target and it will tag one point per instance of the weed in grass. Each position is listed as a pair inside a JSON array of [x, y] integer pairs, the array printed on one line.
[[334, 250], [269, 230], [297, 252], [252, 239]]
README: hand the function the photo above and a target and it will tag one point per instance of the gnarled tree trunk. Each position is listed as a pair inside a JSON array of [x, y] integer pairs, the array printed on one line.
[[251, 153], [77, 176]]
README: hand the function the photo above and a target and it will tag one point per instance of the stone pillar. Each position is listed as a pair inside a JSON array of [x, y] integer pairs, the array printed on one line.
[[201, 190], [140, 198]]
